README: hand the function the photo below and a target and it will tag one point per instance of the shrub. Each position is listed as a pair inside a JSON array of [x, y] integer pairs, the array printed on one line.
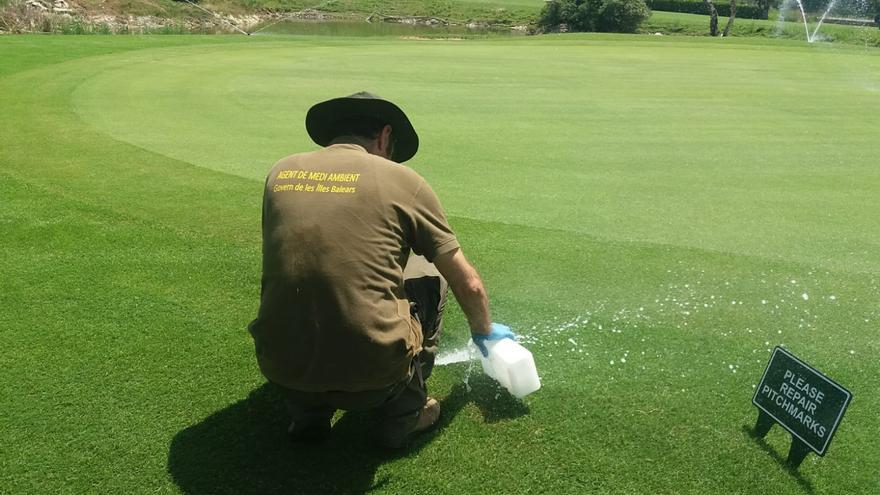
[[593, 15], [623, 16]]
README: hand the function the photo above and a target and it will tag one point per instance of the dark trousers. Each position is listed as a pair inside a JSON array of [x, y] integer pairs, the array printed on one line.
[[398, 405]]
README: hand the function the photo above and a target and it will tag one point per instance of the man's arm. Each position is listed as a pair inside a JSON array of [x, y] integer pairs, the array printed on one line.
[[468, 288]]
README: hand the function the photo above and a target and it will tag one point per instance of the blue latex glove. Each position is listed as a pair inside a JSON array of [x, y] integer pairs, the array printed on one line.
[[498, 332]]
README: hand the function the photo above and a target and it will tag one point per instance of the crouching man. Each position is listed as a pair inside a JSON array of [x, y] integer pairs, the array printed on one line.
[[357, 253]]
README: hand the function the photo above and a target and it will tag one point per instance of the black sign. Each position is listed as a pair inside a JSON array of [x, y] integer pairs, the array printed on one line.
[[802, 400]]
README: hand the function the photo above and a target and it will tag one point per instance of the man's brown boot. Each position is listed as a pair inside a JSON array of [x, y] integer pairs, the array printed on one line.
[[428, 416], [395, 438]]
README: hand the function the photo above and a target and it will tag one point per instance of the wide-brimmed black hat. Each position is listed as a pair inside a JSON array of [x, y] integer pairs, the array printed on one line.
[[324, 119]]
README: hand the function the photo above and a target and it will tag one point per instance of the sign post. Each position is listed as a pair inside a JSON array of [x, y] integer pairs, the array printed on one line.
[[805, 402]]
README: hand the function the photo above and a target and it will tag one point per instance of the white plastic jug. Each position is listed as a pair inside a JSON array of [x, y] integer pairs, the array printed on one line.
[[512, 365]]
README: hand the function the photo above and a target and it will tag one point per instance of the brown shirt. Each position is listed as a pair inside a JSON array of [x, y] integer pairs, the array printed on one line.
[[338, 227]]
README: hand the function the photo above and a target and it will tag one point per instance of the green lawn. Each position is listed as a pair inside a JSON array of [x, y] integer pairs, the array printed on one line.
[[652, 214]]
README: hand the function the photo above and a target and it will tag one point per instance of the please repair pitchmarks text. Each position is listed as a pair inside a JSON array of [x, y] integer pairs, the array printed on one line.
[[799, 399], [802, 400]]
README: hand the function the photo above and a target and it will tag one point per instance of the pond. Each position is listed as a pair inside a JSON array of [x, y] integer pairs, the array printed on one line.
[[379, 28]]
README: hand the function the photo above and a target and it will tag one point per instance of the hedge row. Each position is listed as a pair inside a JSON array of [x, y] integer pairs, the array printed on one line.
[[743, 10]]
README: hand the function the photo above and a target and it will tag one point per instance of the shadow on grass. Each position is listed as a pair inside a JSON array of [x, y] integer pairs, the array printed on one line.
[[779, 458], [493, 402], [243, 448]]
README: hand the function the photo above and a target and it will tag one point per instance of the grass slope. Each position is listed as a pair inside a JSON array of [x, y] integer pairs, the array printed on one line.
[[459, 10], [647, 213]]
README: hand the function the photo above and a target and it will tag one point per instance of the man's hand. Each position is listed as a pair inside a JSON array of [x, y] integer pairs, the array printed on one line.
[[498, 332]]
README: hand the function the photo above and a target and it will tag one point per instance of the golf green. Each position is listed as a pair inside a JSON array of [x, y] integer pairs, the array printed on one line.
[[651, 215]]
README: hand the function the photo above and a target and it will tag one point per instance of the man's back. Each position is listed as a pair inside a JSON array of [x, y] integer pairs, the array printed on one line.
[[338, 225], [341, 324]]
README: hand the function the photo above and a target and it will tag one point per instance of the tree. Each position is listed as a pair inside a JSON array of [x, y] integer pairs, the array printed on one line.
[[593, 15], [713, 18], [730, 19], [622, 16], [551, 16]]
